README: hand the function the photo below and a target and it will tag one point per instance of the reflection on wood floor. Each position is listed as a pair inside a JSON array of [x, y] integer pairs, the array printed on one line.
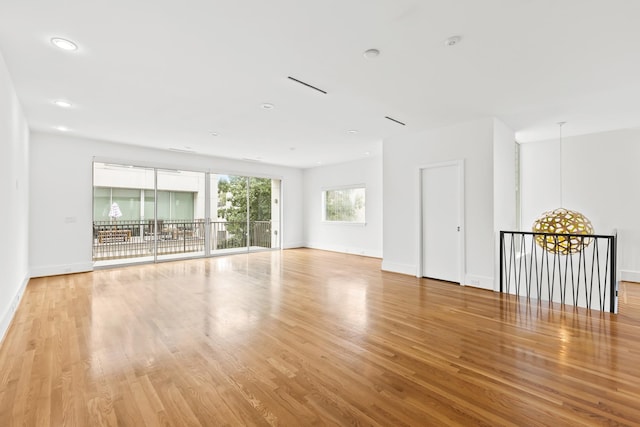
[[306, 337]]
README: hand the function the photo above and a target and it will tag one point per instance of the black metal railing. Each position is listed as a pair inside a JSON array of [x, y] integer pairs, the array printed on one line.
[[233, 234], [134, 239], [584, 277]]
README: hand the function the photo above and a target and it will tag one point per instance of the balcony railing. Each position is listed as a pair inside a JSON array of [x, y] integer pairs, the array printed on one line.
[[233, 234], [135, 239], [585, 278]]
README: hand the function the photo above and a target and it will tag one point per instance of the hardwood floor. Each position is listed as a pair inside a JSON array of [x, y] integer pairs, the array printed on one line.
[[305, 337]]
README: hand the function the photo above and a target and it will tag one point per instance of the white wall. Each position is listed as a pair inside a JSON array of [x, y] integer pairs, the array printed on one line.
[[504, 177], [539, 180], [504, 188], [402, 159], [61, 195], [14, 193], [599, 179], [349, 238]]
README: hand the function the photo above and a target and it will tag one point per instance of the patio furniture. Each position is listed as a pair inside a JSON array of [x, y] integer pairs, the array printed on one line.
[[111, 236]]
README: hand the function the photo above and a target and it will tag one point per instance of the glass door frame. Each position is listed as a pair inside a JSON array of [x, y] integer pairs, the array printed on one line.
[[207, 221]]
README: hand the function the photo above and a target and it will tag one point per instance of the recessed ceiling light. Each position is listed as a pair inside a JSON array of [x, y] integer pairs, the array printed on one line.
[[214, 134], [371, 53], [62, 128], [367, 153], [267, 106], [63, 44], [318, 162], [452, 41], [352, 131], [62, 103]]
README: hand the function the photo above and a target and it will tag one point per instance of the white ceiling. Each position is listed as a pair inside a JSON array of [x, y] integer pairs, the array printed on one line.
[[166, 73]]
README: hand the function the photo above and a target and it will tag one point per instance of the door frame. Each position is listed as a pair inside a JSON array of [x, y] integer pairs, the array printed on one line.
[[461, 235]]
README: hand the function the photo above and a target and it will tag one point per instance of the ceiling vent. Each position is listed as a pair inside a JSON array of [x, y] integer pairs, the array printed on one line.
[[394, 120], [307, 85], [182, 150]]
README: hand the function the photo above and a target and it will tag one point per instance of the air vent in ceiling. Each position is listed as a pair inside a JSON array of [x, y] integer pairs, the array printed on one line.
[[307, 85], [181, 150], [394, 120]]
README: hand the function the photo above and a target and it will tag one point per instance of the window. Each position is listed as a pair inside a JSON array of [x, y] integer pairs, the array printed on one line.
[[345, 204]]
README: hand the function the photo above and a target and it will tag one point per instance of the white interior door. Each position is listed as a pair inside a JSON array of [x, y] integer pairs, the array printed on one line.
[[441, 222]]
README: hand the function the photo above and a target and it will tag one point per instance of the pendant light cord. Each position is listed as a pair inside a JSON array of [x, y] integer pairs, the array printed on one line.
[[560, 125]]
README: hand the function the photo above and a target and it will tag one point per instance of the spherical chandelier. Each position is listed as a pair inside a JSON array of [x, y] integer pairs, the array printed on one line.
[[568, 225], [563, 225]]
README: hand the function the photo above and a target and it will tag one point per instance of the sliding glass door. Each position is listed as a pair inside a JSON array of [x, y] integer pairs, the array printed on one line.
[[149, 214], [181, 215], [123, 203], [264, 213], [245, 213], [228, 213]]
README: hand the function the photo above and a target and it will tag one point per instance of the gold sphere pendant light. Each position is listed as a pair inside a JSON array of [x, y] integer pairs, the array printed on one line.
[[562, 222]]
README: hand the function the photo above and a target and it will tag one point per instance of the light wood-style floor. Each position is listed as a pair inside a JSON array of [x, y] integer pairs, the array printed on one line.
[[305, 337]]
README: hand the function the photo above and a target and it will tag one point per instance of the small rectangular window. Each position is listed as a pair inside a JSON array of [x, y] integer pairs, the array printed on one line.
[[345, 204]]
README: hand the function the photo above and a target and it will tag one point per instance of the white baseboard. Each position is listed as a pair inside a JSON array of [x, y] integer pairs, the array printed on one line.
[[7, 317], [345, 250], [629, 276], [482, 282], [294, 245], [395, 267], [55, 270]]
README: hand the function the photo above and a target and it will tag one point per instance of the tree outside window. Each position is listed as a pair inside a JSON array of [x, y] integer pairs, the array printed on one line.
[[344, 205], [233, 193]]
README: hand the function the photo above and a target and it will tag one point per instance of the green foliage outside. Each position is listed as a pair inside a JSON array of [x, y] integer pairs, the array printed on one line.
[[344, 205], [234, 190]]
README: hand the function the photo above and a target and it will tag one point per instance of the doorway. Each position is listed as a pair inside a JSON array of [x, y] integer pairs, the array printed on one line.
[[442, 221]]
